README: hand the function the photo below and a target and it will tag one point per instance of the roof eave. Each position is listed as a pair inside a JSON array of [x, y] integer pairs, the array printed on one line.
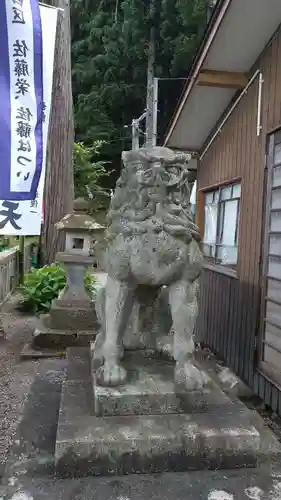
[[210, 32]]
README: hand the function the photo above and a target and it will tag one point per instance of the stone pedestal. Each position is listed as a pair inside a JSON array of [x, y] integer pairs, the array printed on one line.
[[147, 426], [72, 318], [150, 390]]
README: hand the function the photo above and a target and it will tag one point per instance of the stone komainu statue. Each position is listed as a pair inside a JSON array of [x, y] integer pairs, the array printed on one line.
[[152, 243]]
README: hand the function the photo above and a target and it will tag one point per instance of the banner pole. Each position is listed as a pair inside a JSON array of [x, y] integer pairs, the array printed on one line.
[[21, 260]]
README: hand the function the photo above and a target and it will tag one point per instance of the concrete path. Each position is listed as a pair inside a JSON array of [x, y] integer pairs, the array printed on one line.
[[29, 406], [29, 472], [194, 486]]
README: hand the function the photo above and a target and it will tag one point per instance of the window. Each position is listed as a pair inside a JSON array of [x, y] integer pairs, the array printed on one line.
[[78, 243], [271, 289], [221, 228]]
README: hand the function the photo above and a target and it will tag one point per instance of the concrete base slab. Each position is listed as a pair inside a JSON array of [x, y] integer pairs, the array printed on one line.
[[29, 353], [151, 444], [150, 390], [117, 445], [49, 338]]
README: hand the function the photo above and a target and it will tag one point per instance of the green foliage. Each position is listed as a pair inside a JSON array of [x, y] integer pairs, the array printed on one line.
[[109, 54], [90, 173], [4, 243], [42, 286], [90, 284]]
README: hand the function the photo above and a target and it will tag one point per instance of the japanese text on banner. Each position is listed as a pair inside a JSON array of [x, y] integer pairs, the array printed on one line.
[[21, 99], [24, 217]]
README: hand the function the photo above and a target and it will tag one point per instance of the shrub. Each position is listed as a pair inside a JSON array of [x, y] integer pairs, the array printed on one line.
[[42, 286], [90, 284]]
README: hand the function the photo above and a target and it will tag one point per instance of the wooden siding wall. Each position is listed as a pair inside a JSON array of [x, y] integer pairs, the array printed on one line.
[[229, 307]]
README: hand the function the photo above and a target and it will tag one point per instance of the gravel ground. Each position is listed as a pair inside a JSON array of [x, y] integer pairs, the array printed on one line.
[[16, 377], [29, 404]]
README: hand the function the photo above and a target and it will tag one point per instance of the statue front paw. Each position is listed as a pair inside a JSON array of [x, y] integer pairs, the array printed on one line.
[[111, 375]]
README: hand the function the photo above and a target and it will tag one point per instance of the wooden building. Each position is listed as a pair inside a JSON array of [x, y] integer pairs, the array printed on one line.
[[229, 115]]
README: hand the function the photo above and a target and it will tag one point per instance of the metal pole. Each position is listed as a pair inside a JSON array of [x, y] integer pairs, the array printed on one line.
[[150, 80], [155, 111], [259, 125], [21, 260], [135, 134], [135, 131]]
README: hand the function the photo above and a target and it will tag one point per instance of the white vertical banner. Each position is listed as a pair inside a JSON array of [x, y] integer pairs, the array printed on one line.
[[23, 218], [21, 99]]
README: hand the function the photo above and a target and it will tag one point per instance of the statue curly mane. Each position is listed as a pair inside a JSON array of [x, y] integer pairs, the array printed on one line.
[[152, 195], [153, 245]]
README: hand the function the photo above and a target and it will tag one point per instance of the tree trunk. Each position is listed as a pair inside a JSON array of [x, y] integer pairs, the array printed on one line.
[[59, 186]]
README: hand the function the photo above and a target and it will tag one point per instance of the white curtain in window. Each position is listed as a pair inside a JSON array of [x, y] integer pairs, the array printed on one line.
[[193, 194], [210, 230], [193, 200], [227, 251], [277, 153], [229, 223]]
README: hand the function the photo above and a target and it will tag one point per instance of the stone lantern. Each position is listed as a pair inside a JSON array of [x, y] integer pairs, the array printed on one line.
[[80, 229], [72, 318]]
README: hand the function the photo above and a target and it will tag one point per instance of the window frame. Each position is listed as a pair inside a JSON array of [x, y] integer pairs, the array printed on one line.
[[266, 368], [211, 262]]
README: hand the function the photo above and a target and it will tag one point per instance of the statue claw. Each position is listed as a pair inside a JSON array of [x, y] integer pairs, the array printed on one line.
[[111, 375]]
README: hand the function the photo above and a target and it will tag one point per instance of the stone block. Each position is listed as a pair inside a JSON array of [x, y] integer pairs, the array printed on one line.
[[48, 338], [221, 437], [72, 318], [150, 390], [28, 352], [65, 327], [89, 445]]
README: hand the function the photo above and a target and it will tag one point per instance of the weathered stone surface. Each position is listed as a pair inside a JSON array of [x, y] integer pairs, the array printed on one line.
[[153, 242], [74, 293], [72, 321], [49, 338], [65, 327], [70, 258], [82, 317], [72, 318], [150, 390], [154, 444], [33, 445], [28, 352], [72, 222], [221, 437], [150, 319]]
